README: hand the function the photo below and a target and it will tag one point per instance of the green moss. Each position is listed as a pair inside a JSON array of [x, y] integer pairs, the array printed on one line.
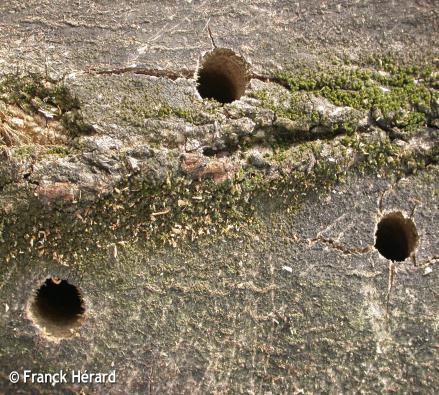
[[183, 296], [182, 209], [31, 90], [401, 94], [35, 94], [134, 109], [38, 152], [275, 101], [185, 209], [280, 154], [349, 127], [59, 150], [25, 151]]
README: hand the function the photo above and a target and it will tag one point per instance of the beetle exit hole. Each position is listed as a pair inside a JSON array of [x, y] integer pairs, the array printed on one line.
[[396, 237], [57, 308], [222, 76]]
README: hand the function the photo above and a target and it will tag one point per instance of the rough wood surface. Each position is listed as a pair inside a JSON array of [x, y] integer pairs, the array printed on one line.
[[220, 248]]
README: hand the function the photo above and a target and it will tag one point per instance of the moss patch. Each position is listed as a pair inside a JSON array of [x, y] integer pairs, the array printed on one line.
[[401, 96], [50, 99], [183, 209]]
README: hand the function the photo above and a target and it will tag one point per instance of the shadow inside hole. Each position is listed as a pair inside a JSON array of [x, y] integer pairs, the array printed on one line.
[[223, 76], [58, 307], [217, 85], [396, 237]]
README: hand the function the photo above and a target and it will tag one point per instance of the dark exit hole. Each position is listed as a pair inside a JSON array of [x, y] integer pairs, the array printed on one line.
[[218, 86], [223, 76], [58, 307], [396, 237]]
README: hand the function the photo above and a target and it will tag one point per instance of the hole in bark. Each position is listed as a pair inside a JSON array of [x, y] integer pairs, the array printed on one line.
[[58, 308], [209, 151], [396, 237], [223, 76]]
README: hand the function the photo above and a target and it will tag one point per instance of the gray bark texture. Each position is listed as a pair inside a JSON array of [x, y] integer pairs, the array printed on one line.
[[220, 197]]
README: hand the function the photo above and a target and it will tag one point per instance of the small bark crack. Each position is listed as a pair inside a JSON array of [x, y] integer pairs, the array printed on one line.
[[390, 283], [190, 74], [172, 75]]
